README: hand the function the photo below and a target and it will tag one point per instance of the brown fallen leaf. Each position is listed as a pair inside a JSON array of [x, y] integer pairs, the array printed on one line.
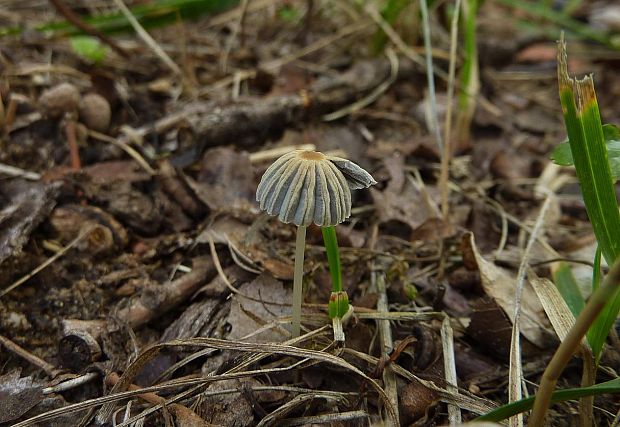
[[403, 200], [249, 249], [500, 284], [270, 301], [226, 180]]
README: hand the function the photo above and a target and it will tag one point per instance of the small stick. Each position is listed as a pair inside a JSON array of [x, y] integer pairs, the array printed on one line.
[[447, 148], [146, 38], [71, 384], [9, 115], [49, 369], [71, 135], [571, 343], [74, 19]]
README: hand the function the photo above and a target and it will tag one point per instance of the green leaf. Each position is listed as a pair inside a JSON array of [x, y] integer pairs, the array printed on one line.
[[611, 132], [569, 289], [89, 48], [151, 14], [562, 155], [588, 146], [523, 405]]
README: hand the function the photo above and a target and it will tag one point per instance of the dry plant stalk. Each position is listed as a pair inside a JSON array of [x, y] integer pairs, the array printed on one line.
[[571, 343]]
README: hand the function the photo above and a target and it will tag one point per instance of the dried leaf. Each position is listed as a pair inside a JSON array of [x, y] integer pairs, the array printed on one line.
[[23, 205], [17, 395], [248, 315], [401, 200], [500, 284]]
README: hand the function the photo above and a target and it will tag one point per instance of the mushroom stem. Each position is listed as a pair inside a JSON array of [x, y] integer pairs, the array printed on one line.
[[300, 245]]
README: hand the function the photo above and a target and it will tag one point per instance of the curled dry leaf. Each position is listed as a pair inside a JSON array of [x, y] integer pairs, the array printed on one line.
[[23, 205], [500, 285], [18, 395]]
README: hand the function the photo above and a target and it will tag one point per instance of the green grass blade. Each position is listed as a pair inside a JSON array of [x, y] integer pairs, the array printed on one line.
[[604, 322], [333, 256], [587, 144], [538, 10], [470, 78], [150, 15], [390, 12], [523, 405], [569, 289]]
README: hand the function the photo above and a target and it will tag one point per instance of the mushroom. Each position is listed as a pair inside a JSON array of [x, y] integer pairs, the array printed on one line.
[[61, 102], [304, 187]]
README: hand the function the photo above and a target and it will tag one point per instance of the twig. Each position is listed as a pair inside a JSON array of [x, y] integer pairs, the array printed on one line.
[[74, 19], [49, 369], [126, 148], [46, 263], [151, 305], [385, 336], [71, 135], [146, 38], [274, 153], [71, 384], [516, 369], [17, 172]]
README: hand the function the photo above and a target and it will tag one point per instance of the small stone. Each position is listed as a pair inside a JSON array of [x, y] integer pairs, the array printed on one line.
[[58, 100], [95, 112]]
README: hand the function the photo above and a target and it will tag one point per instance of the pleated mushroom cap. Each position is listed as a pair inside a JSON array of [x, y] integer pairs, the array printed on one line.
[[303, 187]]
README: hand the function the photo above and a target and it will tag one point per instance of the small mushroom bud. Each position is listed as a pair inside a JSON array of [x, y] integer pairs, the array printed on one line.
[[58, 100], [95, 112]]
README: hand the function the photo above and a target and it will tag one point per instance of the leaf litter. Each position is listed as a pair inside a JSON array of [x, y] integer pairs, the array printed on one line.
[[180, 290]]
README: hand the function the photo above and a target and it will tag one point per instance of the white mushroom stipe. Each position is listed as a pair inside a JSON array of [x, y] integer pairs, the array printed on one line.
[[303, 187]]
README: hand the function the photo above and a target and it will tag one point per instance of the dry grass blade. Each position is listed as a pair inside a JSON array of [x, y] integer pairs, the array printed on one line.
[[444, 188], [146, 37], [269, 348], [464, 400], [516, 368], [385, 335], [324, 419], [47, 262], [371, 97], [449, 364], [277, 415]]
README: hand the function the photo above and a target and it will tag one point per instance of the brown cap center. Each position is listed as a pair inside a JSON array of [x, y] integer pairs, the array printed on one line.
[[311, 155]]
